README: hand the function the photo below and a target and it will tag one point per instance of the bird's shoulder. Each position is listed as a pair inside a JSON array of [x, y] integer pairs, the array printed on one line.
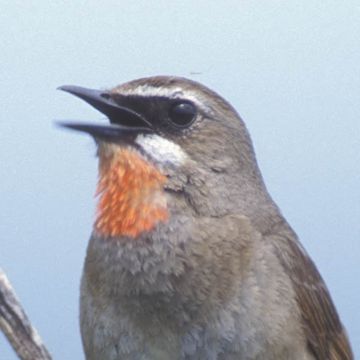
[[326, 337]]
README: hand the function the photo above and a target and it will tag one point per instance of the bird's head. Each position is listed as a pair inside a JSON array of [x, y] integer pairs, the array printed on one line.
[[171, 143]]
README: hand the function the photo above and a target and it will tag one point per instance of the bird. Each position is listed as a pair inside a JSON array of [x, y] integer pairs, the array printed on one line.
[[189, 256]]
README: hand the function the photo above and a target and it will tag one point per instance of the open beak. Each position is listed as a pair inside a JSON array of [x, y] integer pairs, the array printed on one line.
[[124, 120]]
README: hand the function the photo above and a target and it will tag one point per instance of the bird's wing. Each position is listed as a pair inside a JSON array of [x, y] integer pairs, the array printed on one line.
[[326, 337]]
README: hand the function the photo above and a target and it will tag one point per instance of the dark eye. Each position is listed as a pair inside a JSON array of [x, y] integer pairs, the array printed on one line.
[[182, 114]]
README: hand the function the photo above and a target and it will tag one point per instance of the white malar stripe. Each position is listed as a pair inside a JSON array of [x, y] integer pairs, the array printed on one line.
[[161, 150]]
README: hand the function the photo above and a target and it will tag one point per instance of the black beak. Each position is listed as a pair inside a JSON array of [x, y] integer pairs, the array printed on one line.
[[123, 119], [107, 132]]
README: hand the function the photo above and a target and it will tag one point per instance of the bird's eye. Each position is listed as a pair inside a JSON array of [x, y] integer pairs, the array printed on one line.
[[182, 114]]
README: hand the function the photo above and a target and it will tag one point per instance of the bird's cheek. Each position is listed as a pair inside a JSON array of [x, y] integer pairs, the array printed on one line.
[[163, 152]]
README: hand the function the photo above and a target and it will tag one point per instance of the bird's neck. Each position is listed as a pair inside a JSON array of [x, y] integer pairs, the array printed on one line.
[[130, 190]]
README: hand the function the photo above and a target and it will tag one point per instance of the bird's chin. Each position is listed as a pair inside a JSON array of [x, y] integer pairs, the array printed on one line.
[[153, 148], [127, 150]]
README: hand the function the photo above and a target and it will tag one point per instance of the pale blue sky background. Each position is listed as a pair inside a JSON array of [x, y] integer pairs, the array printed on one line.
[[290, 67]]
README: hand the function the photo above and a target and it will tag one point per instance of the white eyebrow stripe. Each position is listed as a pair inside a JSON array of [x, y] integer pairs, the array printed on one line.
[[171, 93], [161, 150], [148, 90]]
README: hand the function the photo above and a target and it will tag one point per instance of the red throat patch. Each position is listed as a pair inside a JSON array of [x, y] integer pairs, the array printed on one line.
[[131, 194]]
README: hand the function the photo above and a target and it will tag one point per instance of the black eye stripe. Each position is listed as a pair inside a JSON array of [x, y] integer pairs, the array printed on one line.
[[164, 113], [182, 114]]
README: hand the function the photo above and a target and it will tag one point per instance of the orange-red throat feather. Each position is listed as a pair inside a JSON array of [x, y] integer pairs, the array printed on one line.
[[131, 194]]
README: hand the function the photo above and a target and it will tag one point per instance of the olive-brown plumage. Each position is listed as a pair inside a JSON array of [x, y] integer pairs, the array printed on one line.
[[190, 258]]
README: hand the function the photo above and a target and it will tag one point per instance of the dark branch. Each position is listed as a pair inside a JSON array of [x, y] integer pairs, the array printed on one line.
[[16, 326]]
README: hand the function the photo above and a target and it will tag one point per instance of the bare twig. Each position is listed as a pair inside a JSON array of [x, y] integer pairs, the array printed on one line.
[[16, 326]]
